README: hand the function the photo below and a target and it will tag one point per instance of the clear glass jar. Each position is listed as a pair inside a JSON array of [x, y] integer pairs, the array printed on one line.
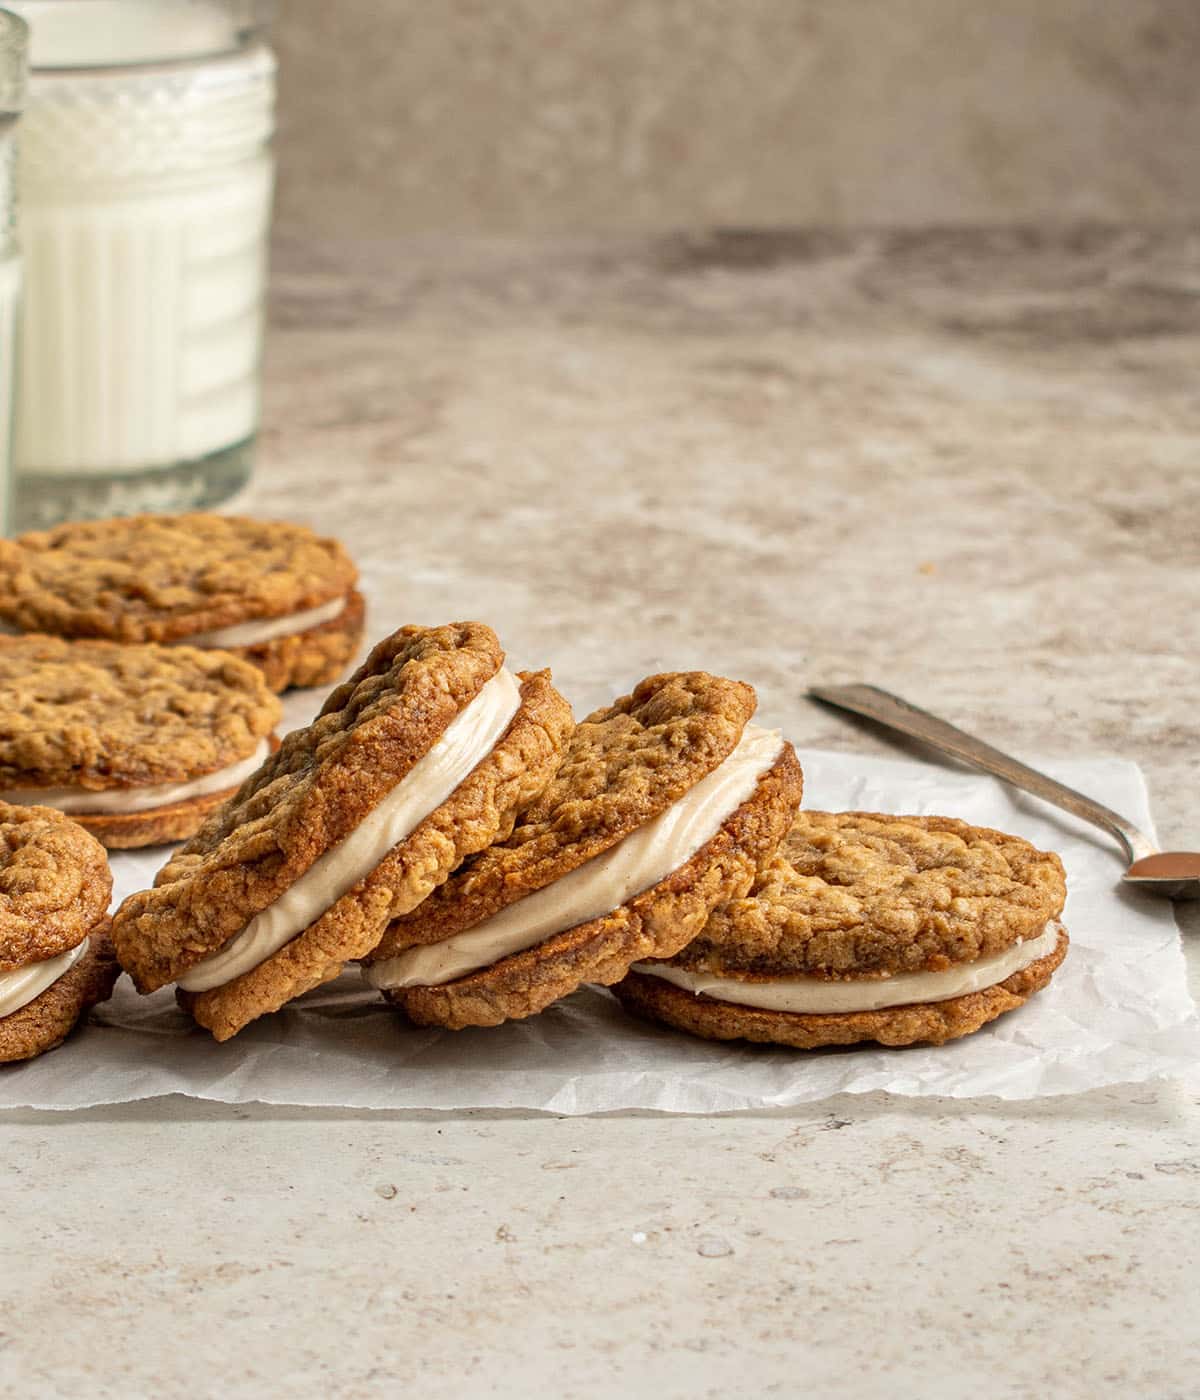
[[145, 175], [13, 47]]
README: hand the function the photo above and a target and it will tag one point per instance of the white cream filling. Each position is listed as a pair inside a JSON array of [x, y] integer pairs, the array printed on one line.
[[18, 988], [138, 799], [468, 739], [642, 859], [248, 634], [814, 996]]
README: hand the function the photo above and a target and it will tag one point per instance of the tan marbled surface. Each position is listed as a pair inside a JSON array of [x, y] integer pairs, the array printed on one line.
[[962, 466], [542, 115]]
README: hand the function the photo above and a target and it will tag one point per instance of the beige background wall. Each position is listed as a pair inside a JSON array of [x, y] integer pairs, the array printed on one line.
[[506, 115]]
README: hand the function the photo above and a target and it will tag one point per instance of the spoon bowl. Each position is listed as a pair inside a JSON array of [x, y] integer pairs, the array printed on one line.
[[1173, 874]]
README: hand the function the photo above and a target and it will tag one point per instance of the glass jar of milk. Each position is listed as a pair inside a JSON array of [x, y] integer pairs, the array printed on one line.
[[145, 177], [13, 35]]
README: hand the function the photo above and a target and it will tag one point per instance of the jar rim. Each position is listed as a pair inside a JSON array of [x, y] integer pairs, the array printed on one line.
[[245, 24]]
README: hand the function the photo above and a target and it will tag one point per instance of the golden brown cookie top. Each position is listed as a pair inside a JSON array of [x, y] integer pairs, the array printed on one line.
[[103, 715], [861, 894], [307, 797], [54, 884], [624, 766], [159, 578]]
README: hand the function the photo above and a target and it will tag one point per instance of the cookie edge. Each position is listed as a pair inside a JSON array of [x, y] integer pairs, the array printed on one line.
[[918, 1023]]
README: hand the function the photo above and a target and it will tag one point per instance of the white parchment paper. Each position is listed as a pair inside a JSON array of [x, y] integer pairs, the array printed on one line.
[[1117, 1011]]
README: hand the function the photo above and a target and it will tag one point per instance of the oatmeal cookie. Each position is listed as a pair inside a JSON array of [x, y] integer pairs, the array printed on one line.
[[868, 927], [862, 894], [664, 806], [55, 959], [136, 742], [271, 591], [425, 755]]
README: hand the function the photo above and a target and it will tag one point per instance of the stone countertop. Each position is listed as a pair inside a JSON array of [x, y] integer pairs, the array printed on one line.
[[960, 465]]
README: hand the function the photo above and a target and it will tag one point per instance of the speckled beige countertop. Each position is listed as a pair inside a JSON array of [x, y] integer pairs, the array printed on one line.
[[964, 466]]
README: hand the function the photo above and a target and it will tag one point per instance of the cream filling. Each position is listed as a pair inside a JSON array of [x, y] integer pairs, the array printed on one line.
[[18, 988], [642, 859], [814, 996], [248, 634], [468, 739], [138, 799]]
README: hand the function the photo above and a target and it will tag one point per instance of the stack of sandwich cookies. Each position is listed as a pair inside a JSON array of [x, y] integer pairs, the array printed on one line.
[[663, 808], [868, 928], [137, 743], [424, 756], [272, 592], [55, 956]]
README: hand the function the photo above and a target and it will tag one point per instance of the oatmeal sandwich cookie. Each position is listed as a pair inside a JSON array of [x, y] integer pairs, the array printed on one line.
[[664, 805], [137, 743], [424, 756], [55, 956], [274, 593], [867, 927]]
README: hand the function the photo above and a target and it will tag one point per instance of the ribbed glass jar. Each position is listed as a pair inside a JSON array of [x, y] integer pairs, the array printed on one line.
[[13, 49], [145, 176]]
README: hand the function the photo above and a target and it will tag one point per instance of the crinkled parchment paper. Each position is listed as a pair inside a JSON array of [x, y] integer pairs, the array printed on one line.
[[1117, 1011]]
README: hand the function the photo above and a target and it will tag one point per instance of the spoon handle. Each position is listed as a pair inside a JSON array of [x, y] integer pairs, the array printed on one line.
[[888, 709]]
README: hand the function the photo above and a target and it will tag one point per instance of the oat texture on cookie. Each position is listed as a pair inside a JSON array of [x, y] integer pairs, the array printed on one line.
[[55, 885], [862, 893], [101, 715], [161, 578]]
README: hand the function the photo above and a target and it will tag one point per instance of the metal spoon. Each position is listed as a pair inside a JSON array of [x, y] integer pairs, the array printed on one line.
[[1175, 874]]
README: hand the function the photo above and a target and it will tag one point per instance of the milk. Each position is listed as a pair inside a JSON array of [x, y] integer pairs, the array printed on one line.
[[142, 343], [145, 197]]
